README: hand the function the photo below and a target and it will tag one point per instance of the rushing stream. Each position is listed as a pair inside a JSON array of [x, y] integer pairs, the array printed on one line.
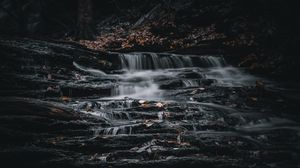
[[144, 74], [150, 110], [185, 107]]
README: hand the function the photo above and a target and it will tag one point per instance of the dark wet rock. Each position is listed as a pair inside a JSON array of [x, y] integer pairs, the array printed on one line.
[[48, 66], [26, 124], [193, 75], [84, 91], [171, 84], [207, 82], [60, 118]]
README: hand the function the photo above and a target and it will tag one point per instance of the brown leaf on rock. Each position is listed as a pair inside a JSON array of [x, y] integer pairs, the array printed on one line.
[[65, 98], [160, 105]]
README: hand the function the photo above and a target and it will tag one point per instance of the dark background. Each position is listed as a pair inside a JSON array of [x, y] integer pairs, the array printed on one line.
[[273, 25]]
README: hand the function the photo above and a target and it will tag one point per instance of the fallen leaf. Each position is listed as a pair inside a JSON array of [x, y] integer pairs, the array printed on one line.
[[56, 110], [77, 76], [142, 101], [167, 114], [65, 98], [145, 105], [89, 109], [185, 144], [259, 83], [159, 104], [50, 88], [148, 123], [194, 92]]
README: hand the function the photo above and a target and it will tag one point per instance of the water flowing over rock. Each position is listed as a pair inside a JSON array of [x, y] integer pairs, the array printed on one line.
[[144, 61], [74, 109], [147, 75]]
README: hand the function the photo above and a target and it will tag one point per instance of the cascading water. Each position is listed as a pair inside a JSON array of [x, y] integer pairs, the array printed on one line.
[[164, 110], [144, 61], [144, 70], [147, 73], [161, 99], [190, 83]]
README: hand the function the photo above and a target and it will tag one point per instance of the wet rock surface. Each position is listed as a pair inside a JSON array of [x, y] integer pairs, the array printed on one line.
[[66, 106]]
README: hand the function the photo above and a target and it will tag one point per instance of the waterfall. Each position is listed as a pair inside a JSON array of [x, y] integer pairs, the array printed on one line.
[[144, 89], [190, 83], [92, 71], [146, 61], [212, 61], [143, 69]]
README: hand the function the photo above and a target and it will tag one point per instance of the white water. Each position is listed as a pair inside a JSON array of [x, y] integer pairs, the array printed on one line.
[[147, 90], [230, 76], [144, 68], [144, 61], [143, 71], [190, 83], [92, 71], [140, 84]]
